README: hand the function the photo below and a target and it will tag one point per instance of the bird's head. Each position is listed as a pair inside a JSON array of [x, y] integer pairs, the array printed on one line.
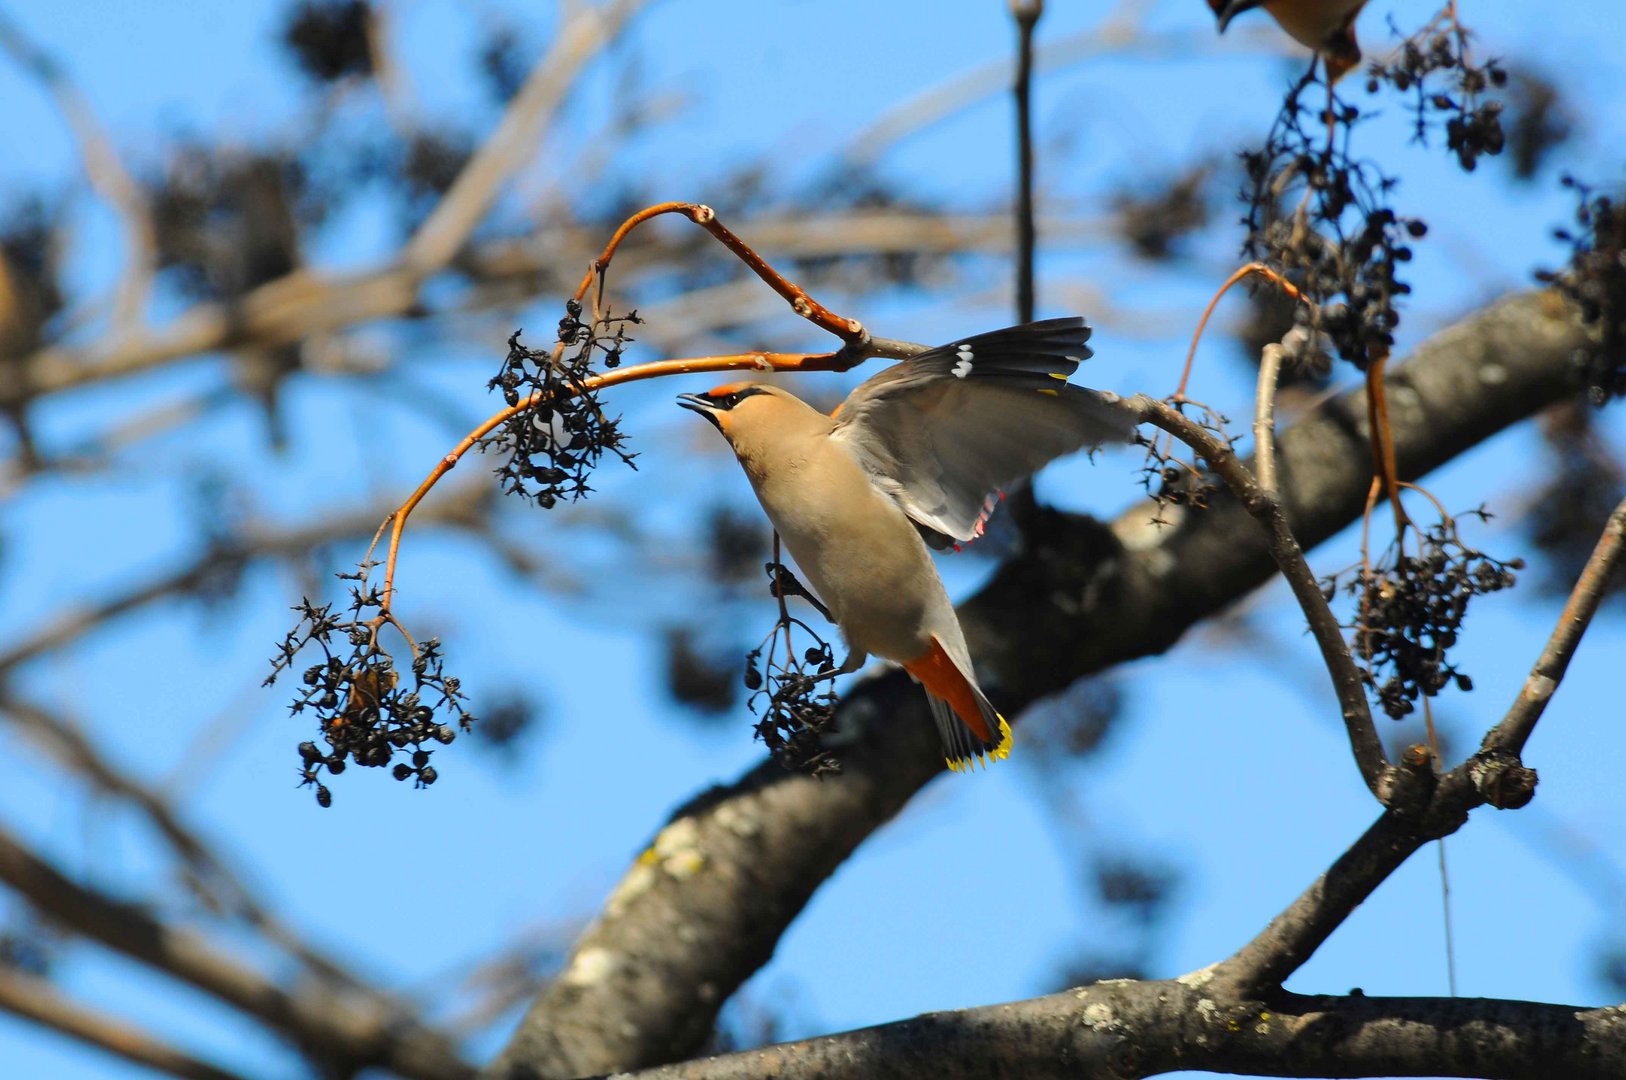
[[756, 418], [745, 407], [729, 405]]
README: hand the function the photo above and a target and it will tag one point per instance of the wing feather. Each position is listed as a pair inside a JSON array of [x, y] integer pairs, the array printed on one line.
[[944, 431]]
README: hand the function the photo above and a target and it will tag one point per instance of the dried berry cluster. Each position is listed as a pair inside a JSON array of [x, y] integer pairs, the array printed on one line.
[[330, 39], [1174, 481], [1342, 245], [1156, 218], [366, 710], [1411, 615], [796, 708], [227, 221], [1596, 281], [1322, 218], [1439, 52], [553, 446]]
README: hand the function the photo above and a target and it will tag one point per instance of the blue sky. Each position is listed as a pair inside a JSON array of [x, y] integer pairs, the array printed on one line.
[[483, 850]]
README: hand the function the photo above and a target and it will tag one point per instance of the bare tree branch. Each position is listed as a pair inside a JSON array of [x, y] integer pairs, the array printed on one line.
[[1293, 936], [1510, 735], [394, 83], [1494, 775], [673, 942], [465, 204], [1027, 14], [37, 1000], [934, 104], [106, 172], [340, 1026], [225, 888], [306, 303], [1264, 418], [1128, 1029], [1284, 548], [1121, 33]]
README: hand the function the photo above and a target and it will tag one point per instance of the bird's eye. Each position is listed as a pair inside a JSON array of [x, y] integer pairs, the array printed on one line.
[[729, 400]]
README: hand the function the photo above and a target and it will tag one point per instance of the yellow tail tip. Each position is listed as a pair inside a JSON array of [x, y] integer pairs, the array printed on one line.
[[998, 753]]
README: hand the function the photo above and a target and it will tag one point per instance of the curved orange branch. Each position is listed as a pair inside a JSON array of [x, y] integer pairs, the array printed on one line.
[[600, 264], [850, 331], [1383, 448], [1202, 324], [758, 361]]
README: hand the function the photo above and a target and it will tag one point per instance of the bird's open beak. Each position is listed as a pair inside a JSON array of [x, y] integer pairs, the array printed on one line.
[[703, 406]]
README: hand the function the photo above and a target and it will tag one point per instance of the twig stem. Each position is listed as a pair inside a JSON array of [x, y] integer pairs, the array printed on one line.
[[1026, 14], [1284, 548], [1264, 417], [1202, 324]]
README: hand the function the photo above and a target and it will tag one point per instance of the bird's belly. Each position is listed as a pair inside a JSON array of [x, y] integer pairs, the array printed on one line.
[[866, 561], [881, 600], [1311, 23]]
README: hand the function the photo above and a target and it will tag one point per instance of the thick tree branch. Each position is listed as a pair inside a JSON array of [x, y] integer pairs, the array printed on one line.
[[704, 907], [1132, 1029]]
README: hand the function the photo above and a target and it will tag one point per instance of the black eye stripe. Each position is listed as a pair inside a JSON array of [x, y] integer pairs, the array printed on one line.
[[728, 401]]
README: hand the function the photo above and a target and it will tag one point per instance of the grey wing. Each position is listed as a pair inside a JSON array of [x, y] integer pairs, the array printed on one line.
[[944, 431]]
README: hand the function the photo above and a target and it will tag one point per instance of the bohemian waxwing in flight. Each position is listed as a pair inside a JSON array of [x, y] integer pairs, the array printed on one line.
[[1327, 26], [914, 457]]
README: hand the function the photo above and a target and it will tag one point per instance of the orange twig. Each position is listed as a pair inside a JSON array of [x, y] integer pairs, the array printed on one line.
[[759, 361], [850, 331], [1383, 449], [1364, 639], [600, 264], [1425, 493], [1202, 324]]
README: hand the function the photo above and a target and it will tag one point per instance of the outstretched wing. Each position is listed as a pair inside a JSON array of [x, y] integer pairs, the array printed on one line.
[[944, 431]]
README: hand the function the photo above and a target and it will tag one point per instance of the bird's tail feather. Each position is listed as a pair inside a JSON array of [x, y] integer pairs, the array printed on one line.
[[971, 729]]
